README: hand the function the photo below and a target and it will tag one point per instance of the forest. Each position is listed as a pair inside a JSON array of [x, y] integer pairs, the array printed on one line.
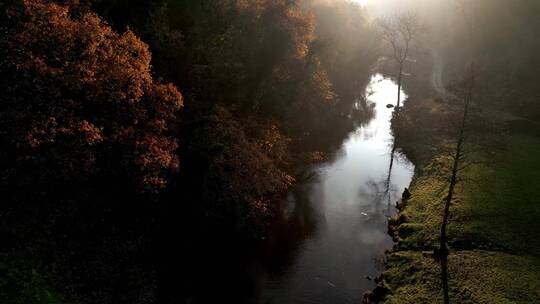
[[254, 151]]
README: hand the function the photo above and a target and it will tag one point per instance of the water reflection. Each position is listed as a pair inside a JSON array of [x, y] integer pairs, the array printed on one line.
[[333, 230], [330, 233], [297, 223]]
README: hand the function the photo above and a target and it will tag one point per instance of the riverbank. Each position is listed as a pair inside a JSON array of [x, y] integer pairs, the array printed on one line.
[[494, 251]]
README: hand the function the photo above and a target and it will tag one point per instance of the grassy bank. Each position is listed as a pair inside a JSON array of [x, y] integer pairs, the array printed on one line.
[[493, 229]]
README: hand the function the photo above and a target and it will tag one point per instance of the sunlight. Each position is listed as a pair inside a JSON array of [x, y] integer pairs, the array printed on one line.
[[362, 2], [269, 151]]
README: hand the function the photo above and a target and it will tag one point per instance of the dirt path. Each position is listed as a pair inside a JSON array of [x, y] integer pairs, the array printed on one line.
[[436, 74], [438, 85]]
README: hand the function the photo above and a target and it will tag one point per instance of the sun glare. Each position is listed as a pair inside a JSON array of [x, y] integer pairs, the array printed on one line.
[[362, 2]]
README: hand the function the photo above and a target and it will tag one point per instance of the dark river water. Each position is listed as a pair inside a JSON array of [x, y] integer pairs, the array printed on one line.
[[332, 232], [336, 225]]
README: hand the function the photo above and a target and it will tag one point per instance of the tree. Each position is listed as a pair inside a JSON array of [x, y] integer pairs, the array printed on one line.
[[86, 135], [80, 101], [400, 32], [347, 60], [220, 158], [465, 124]]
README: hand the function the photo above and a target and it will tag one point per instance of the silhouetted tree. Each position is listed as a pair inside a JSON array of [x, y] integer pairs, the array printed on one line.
[[463, 121], [400, 33]]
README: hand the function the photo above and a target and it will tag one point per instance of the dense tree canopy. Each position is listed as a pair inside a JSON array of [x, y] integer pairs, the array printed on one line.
[[80, 100], [100, 151]]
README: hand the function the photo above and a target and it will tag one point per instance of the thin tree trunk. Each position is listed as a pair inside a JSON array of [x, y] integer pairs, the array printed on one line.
[[444, 278], [402, 62], [399, 85], [443, 244]]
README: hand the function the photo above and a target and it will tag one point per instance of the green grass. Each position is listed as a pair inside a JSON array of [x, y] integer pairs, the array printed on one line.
[[476, 276], [494, 230], [506, 206]]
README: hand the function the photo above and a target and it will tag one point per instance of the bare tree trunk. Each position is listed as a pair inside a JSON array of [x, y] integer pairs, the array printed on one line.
[[400, 32], [389, 176], [443, 246], [443, 249], [399, 85], [444, 278], [458, 155]]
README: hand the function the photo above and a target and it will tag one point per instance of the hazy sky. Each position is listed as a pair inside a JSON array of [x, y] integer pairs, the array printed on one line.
[[389, 7]]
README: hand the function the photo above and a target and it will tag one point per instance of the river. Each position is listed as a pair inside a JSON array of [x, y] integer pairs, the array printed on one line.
[[328, 241], [332, 233]]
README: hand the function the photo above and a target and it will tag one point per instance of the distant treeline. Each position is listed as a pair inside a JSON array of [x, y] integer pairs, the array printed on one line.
[[501, 37], [123, 119]]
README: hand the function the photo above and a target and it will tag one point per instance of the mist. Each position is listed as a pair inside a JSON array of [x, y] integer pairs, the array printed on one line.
[[269, 151]]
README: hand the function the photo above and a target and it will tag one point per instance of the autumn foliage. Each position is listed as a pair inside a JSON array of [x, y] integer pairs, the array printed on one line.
[[80, 100], [112, 167]]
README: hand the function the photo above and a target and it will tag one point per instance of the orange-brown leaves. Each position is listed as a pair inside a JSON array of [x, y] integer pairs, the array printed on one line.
[[76, 89], [242, 175], [286, 16]]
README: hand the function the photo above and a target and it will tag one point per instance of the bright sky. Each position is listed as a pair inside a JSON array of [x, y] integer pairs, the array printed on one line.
[[362, 2]]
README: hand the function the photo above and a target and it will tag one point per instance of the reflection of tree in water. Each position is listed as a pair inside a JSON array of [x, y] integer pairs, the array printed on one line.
[[296, 223], [196, 256], [391, 192], [234, 268], [387, 193], [382, 191], [363, 111], [330, 139]]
